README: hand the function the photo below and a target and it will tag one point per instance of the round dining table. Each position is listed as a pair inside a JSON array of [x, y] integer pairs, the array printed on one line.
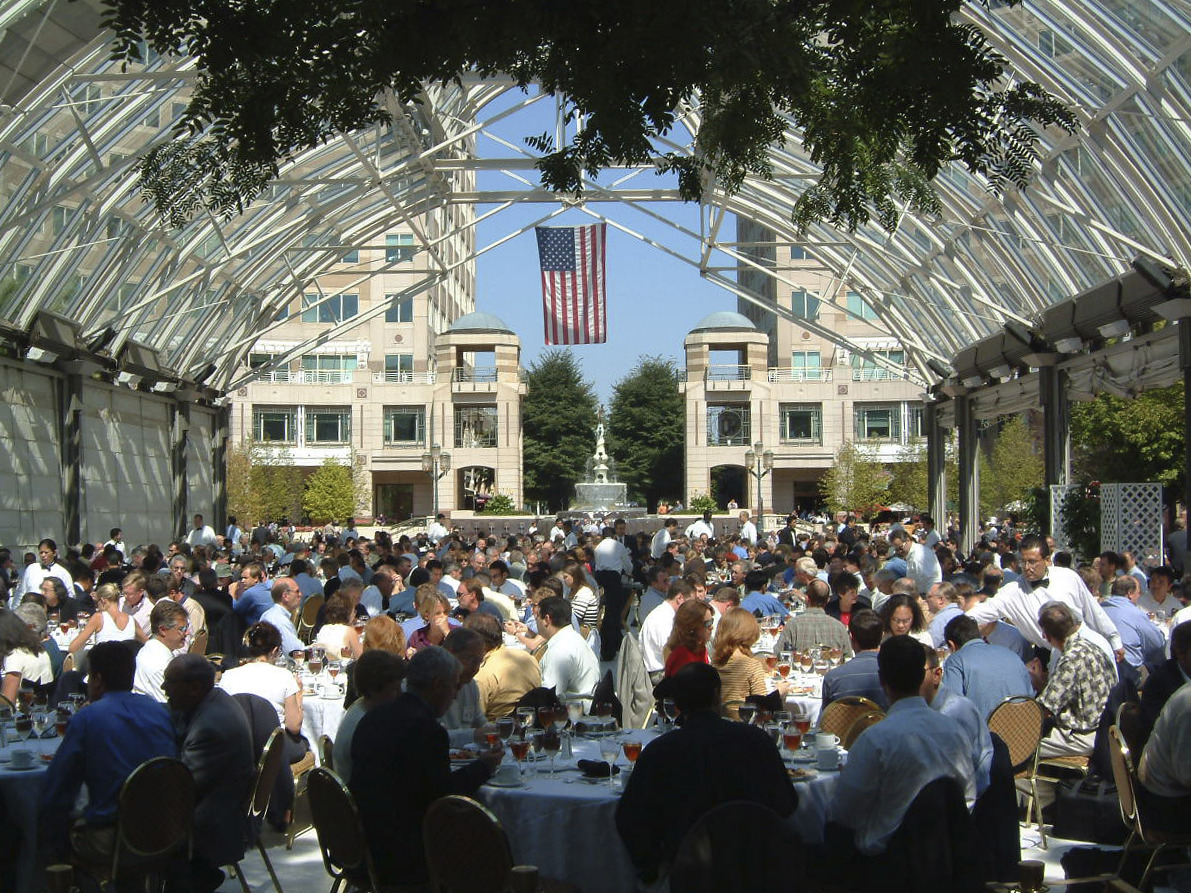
[[566, 824], [322, 714], [20, 796]]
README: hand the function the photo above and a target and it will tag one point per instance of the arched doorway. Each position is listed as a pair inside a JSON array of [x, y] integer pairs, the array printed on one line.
[[476, 484], [729, 483]]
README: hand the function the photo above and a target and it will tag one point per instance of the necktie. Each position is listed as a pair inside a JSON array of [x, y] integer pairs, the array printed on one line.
[[1043, 583]]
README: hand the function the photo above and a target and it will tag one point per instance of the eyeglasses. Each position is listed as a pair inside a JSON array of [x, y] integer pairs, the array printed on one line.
[[709, 624]]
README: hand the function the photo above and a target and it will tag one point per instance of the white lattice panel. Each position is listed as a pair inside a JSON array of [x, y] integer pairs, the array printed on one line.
[[1131, 520], [1058, 524]]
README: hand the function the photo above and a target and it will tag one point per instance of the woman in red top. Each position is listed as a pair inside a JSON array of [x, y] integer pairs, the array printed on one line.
[[688, 639]]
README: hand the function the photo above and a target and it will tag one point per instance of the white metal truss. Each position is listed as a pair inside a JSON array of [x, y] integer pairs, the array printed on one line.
[[77, 237]]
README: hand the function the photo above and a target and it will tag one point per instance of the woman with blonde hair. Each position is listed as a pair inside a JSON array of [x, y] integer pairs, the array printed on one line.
[[108, 623], [741, 674], [337, 635], [688, 639], [381, 633]]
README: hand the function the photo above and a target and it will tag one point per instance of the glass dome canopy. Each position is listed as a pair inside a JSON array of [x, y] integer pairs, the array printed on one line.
[[78, 239]]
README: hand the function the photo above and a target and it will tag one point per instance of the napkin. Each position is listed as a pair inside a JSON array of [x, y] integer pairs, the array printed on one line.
[[596, 768]]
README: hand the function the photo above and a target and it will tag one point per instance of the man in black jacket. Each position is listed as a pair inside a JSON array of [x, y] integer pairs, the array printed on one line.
[[683, 775], [405, 734], [1168, 678]]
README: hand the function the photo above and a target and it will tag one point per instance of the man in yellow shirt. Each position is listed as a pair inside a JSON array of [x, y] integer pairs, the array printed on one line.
[[506, 674]]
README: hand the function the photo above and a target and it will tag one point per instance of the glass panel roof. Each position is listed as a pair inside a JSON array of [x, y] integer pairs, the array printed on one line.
[[77, 237]]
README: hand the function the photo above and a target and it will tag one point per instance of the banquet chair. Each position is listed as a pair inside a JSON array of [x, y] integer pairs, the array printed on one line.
[[326, 755], [308, 616], [154, 817], [1131, 724], [838, 716], [1124, 774], [863, 722], [709, 858], [1018, 722], [300, 770], [341, 838], [268, 768], [485, 864]]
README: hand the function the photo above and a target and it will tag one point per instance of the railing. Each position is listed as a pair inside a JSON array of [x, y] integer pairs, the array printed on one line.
[[868, 373], [800, 374], [485, 374], [399, 377], [309, 376], [728, 373]]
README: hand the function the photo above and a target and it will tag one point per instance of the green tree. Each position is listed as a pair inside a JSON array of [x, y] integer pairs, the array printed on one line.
[[883, 94], [559, 417], [1141, 439], [1015, 468], [646, 430], [855, 481], [263, 484], [908, 475], [330, 493]]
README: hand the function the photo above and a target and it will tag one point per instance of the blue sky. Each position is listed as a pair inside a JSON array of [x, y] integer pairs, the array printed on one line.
[[653, 298]]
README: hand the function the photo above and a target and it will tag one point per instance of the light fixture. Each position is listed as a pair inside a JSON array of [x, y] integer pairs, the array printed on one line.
[[1001, 371], [1069, 345], [973, 381], [1114, 329], [164, 387], [41, 355], [128, 378]]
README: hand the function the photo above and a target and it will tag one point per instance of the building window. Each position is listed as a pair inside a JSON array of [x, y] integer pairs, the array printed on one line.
[[328, 424], [878, 421], [153, 119], [728, 424], [352, 257], [914, 429], [400, 309], [58, 219], [256, 360], [275, 424], [405, 425], [859, 308], [868, 369], [399, 248], [475, 426], [399, 367], [805, 304], [802, 422], [328, 368], [806, 365], [797, 252], [334, 309]]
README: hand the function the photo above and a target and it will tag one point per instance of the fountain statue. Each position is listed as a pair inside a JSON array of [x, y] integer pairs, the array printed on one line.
[[600, 492]]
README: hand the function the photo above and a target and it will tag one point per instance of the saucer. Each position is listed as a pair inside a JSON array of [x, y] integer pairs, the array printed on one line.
[[492, 782]]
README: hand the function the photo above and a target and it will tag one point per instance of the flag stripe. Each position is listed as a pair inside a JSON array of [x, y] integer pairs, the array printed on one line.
[[574, 294]]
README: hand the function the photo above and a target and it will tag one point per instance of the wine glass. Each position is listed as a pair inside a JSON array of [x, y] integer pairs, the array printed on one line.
[[821, 667], [520, 747], [23, 725], [792, 738], [771, 663], [608, 750], [333, 669], [802, 722], [41, 725], [783, 668], [747, 711], [546, 718], [537, 747], [774, 731], [525, 717], [505, 727], [806, 662], [575, 712], [559, 716], [632, 749], [77, 699], [552, 742], [782, 718], [62, 717], [25, 696]]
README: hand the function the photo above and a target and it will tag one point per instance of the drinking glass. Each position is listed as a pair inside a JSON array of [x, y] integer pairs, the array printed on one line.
[[632, 750], [25, 696], [575, 712], [520, 747], [505, 727], [782, 718], [747, 712], [525, 717], [552, 742], [792, 738], [609, 750]]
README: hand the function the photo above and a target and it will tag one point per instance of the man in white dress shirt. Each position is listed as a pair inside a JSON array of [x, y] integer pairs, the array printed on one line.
[[1020, 602], [748, 530], [661, 540], [613, 564], [656, 629], [287, 595], [170, 625], [569, 666], [437, 530], [201, 534], [702, 527]]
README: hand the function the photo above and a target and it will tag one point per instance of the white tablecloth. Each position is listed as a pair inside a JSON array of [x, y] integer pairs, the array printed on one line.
[[813, 797], [566, 827], [20, 792], [811, 702], [320, 716]]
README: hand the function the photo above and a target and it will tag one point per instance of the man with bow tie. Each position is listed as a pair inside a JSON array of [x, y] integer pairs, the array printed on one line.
[[1019, 602]]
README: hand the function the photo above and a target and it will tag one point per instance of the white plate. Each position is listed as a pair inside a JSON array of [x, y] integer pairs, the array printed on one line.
[[12, 768], [492, 782]]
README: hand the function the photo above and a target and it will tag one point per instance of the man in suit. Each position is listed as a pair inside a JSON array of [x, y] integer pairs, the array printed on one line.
[[405, 732], [216, 746]]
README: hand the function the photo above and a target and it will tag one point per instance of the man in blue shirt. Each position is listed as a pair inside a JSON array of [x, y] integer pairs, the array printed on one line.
[[1142, 641], [858, 677], [300, 571], [256, 597], [757, 601], [943, 600], [286, 598], [104, 743], [985, 674]]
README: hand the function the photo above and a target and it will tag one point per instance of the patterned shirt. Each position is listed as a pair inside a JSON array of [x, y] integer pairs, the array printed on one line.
[[1078, 687], [813, 628]]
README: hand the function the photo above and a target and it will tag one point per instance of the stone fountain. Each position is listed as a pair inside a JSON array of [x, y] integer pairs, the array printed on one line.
[[601, 492]]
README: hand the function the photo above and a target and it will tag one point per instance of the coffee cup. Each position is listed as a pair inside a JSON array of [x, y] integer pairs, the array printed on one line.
[[827, 758], [507, 774], [22, 758], [824, 740]]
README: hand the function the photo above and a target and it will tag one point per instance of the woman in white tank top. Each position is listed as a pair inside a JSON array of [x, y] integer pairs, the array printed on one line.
[[108, 623]]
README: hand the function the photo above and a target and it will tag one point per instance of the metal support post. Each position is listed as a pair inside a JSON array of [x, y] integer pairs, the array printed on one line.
[[969, 474]]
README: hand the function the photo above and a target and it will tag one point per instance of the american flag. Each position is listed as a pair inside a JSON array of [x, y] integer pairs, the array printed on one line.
[[574, 296]]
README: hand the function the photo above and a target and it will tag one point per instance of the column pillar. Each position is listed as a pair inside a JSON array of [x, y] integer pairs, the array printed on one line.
[[969, 474], [1185, 363], [1052, 394], [221, 432], [178, 466], [936, 464], [71, 413]]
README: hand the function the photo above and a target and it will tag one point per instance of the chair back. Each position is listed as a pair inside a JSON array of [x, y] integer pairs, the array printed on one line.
[[933, 847], [154, 813], [337, 823], [309, 617], [267, 769], [199, 645], [838, 716], [483, 865], [709, 858], [1122, 776], [863, 722], [1130, 722], [1018, 722], [326, 752]]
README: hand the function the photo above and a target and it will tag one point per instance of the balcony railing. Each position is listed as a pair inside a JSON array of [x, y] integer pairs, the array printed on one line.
[[484, 374], [308, 376], [800, 374], [399, 377], [728, 373], [868, 373]]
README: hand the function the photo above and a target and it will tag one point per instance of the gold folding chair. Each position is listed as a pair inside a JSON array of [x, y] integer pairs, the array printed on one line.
[[838, 716], [267, 769], [307, 617], [868, 719], [1018, 722], [340, 834]]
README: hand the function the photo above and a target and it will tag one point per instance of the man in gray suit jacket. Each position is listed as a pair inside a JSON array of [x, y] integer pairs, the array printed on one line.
[[215, 743]]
